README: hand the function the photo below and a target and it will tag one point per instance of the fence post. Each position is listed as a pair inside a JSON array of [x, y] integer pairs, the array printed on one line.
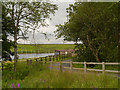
[[33, 60], [71, 65], [27, 62], [53, 58], [60, 66], [43, 62], [85, 67], [49, 58], [59, 57], [64, 56], [56, 58], [103, 67], [41, 59], [45, 59], [50, 65], [36, 59], [30, 62]]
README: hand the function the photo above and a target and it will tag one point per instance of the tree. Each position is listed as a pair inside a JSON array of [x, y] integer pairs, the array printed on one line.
[[6, 31], [93, 24], [25, 15]]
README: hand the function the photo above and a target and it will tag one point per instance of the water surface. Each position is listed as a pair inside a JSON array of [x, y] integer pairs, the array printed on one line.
[[21, 56]]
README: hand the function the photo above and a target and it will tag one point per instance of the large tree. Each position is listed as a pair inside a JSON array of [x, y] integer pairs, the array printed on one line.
[[27, 15], [96, 25]]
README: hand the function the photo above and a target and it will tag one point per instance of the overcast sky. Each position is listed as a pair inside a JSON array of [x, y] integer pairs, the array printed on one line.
[[58, 18]]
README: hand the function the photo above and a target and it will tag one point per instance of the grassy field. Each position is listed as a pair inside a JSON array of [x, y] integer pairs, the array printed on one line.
[[37, 76], [42, 48]]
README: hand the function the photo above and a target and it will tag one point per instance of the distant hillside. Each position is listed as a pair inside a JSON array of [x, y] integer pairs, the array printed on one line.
[[42, 48]]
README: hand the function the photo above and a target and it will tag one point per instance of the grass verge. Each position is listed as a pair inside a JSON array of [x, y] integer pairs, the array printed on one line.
[[37, 76]]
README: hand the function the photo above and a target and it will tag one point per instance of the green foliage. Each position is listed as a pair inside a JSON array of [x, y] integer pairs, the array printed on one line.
[[8, 66], [82, 52], [96, 25], [6, 31], [12, 74], [22, 71], [28, 14]]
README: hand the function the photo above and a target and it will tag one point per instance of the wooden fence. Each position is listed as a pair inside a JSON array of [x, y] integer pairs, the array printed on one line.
[[85, 66], [40, 59], [52, 59]]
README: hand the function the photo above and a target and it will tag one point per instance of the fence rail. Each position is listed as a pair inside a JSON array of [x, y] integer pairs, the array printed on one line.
[[85, 66], [51, 60]]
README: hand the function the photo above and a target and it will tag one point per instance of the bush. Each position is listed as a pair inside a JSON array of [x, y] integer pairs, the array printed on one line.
[[84, 54], [8, 66]]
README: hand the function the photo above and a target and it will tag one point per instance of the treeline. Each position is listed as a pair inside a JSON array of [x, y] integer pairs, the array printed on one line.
[[96, 25]]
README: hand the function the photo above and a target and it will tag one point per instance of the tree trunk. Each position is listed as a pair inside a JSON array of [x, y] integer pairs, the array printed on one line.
[[15, 36], [118, 46], [15, 46], [97, 59], [94, 51]]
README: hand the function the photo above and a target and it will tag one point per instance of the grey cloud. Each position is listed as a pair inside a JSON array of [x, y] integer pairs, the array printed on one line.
[[58, 18]]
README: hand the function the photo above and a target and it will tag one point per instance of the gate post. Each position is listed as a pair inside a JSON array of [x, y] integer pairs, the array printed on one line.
[[60, 66], [71, 65], [85, 67], [103, 67]]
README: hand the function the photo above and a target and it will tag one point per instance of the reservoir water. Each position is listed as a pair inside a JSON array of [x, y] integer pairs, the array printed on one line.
[[33, 55]]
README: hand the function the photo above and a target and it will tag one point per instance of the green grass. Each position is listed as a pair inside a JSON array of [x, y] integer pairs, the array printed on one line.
[[78, 65], [37, 76], [42, 48]]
